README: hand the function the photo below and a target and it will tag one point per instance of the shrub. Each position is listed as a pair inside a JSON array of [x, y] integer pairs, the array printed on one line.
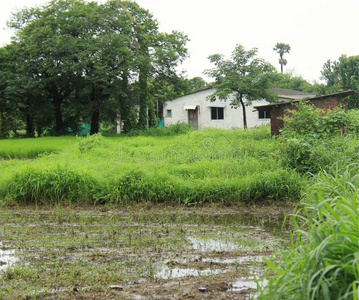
[[48, 186], [179, 128], [309, 121], [311, 138], [89, 142]]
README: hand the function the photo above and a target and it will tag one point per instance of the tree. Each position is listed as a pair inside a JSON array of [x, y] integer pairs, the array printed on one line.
[[91, 62], [242, 79], [343, 75], [55, 39], [196, 84], [290, 81], [282, 48]]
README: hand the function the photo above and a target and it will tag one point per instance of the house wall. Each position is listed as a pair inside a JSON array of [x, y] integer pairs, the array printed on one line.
[[233, 118]]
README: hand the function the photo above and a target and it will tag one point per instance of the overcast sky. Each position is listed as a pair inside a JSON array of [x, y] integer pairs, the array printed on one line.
[[316, 30]]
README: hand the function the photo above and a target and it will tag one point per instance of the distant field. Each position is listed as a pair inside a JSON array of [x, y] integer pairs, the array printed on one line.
[[191, 168], [32, 148]]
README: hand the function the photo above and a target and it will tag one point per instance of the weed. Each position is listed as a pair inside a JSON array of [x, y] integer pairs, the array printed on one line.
[[323, 260]]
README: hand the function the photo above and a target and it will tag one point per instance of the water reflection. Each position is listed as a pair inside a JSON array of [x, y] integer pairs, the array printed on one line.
[[165, 272], [7, 258], [212, 245]]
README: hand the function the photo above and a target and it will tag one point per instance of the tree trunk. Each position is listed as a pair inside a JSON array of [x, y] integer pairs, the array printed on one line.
[[244, 112], [152, 114], [142, 118], [58, 116], [143, 76], [95, 122], [29, 126], [125, 108]]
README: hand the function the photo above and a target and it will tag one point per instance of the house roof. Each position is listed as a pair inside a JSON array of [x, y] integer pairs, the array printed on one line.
[[284, 94], [292, 94], [340, 94]]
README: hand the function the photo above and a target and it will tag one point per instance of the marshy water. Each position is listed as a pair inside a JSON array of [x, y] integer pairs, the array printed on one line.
[[138, 252], [8, 257]]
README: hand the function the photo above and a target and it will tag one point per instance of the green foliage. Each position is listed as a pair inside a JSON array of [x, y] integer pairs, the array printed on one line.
[[89, 142], [174, 129], [32, 148], [343, 75], [307, 120], [311, 138], [292, 82], [242, 79], [85, 62], [323, 260], [51, 185], [162, 165]]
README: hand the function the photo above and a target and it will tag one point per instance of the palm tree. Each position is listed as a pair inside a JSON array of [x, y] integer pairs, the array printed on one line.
[[282, 48]]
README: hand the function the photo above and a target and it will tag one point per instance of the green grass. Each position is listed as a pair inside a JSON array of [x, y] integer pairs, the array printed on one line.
[[323, 260], [32, 148], [191, 168]]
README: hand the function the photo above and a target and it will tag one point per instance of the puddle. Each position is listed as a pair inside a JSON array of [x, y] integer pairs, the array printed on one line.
[[218, 260], [7, 258], [240, 260], [165, 272], [246, 283], [213, 245]]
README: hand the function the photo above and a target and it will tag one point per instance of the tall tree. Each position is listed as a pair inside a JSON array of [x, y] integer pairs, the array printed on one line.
[[343, 75], [282, 48], [91, 62], [242, 79]]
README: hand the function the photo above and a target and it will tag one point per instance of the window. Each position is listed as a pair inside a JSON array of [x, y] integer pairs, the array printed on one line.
[[217, 113], [263, 114], [169, 113]]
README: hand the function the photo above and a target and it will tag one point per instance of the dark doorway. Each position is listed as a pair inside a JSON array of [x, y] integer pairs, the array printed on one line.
[[193, 117]]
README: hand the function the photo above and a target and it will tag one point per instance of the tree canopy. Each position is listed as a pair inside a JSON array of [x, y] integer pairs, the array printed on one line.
[[343, 75], [241, 79], [83, 62]]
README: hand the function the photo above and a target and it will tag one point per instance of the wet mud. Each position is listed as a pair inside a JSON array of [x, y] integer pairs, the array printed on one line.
[[138, 252]]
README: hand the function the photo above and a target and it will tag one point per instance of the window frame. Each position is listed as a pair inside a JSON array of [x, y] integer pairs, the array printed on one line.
[[263, 114], [217, 113]]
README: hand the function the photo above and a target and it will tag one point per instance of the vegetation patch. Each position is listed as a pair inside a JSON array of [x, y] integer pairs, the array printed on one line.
[[191, 168]]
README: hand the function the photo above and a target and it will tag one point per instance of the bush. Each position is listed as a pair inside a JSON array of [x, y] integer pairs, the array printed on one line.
[[179, 128], [89, 142], [311, 139]]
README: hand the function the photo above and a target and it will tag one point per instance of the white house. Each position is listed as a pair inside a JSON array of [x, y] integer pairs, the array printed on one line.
[[195, 109]]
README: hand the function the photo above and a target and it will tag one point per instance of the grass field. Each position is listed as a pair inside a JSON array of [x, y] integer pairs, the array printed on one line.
[[191, 168]]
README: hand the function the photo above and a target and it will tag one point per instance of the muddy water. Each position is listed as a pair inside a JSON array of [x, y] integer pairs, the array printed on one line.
[[8, 258], [151, 253]]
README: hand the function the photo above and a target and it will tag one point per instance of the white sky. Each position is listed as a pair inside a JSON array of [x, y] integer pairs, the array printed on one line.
[[316, 30]]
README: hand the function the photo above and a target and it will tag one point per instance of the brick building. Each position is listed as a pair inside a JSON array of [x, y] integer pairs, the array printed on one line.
[[276, 111]]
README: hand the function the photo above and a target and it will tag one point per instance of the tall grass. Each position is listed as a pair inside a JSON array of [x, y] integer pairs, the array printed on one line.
[[323, 261], [191, 168], [53, 185]]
